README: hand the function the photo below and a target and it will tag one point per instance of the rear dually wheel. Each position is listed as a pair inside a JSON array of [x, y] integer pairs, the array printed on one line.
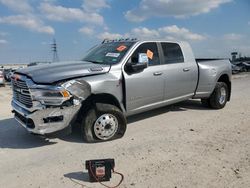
[[218, 98]]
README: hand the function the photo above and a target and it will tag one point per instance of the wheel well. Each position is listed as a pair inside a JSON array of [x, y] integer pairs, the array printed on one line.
[[98, 98], [105, 98], [224, 78], [102, 98]]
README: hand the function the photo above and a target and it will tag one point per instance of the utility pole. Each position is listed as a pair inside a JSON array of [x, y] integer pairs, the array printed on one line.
[[54, 50]]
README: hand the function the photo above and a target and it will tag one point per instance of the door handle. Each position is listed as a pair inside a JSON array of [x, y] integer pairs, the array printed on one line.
[[158, 73], [186, 70]]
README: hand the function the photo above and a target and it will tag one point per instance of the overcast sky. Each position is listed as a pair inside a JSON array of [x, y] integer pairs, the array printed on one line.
[[214, 28]]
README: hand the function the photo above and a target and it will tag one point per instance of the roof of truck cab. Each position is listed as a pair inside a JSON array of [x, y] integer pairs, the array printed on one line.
[[158, 40], [143, 41]]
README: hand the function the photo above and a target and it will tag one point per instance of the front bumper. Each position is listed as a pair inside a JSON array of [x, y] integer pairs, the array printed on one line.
[[45, 121]]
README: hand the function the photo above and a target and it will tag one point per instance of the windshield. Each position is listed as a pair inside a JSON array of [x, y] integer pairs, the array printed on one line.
[[108, 53]]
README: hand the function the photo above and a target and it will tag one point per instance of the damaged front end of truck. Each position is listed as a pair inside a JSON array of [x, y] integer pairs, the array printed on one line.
[[44, 109]]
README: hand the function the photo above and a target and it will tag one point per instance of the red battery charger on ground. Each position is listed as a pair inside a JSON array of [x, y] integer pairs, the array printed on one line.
[[100, 170]]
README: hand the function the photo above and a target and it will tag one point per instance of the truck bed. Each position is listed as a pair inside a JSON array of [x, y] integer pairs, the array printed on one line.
[[209, 71]]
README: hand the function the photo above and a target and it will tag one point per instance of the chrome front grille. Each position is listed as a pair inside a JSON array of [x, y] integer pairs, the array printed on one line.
[[21, 92]]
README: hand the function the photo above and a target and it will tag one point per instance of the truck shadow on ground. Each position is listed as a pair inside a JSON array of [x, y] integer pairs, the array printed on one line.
[[13, 136], [178, 107]]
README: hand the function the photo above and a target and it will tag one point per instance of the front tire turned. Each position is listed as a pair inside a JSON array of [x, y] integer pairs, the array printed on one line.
[[103, 122]]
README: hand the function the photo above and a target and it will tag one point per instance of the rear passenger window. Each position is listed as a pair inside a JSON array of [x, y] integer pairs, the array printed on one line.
[[151, 50], [172, 53]]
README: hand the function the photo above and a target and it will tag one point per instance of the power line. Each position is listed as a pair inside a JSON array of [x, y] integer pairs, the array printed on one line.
[[54, 50]]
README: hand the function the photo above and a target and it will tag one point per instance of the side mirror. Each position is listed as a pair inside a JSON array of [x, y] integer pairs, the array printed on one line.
[[140, 64]]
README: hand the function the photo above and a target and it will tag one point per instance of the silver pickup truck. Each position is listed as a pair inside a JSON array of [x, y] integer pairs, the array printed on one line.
[[116, 79]]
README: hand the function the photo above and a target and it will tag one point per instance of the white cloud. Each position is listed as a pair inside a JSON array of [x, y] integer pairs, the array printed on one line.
[[60, 13], [27, 19], [3, 41], [107, 35], [17, 5], [221, 46], [145, 33], [232, 36], [87, 31], [249, 23], [175, 8], [94, 5], [181, 33], [28, 22], [167, 33], [32, 20]]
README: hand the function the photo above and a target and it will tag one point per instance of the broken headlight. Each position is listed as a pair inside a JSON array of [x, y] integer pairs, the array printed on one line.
[[52, 96]]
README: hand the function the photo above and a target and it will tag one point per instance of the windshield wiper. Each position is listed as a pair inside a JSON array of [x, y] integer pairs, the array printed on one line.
[[101, 63], [95, 62]]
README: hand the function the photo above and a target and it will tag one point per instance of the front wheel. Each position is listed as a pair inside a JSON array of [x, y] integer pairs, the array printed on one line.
[[219, 97], [103, 122]]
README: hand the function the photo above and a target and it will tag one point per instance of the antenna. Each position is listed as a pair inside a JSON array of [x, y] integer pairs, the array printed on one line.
[[54, 50]]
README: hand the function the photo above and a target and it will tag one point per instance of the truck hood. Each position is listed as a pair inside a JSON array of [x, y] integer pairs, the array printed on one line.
[[55, 72]]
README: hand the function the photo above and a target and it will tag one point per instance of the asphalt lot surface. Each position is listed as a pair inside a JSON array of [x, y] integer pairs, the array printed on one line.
[[183, 145]]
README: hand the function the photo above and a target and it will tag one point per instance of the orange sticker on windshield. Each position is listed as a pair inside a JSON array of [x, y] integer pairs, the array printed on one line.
[[121, 48], [150, 54]]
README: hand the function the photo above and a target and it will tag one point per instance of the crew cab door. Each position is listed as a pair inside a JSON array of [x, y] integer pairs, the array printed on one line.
[[146, 87], [180, 73]]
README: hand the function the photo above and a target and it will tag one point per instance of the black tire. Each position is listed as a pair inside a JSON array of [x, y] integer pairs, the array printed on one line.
[[215, 101], [93, 114]]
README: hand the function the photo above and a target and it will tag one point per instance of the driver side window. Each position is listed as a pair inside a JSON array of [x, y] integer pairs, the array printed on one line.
[[151, 50]]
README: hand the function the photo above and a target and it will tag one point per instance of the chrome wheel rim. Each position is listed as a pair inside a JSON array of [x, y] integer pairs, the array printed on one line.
[[106, 126], [223, 95]]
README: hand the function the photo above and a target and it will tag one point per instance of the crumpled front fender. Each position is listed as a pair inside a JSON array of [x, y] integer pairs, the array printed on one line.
[[78, 88]]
